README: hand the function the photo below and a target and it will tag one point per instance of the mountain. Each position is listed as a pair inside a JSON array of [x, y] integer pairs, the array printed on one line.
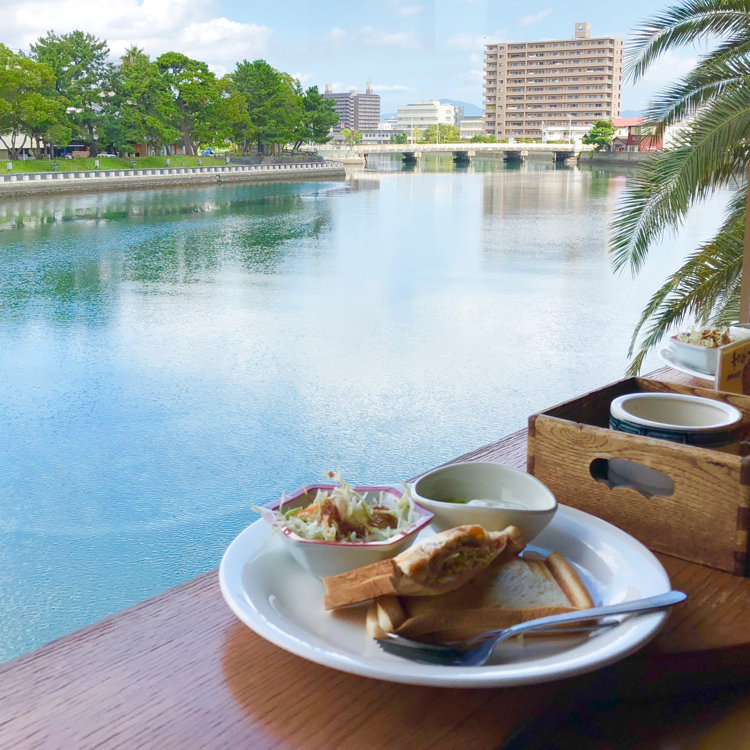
[[631, 113], [470, 110]]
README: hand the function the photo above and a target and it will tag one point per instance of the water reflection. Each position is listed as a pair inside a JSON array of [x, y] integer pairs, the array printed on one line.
[[152, 238]]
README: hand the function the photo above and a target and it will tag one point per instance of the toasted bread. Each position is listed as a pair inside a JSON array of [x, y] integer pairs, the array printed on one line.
[[440, 563], [508, 592]]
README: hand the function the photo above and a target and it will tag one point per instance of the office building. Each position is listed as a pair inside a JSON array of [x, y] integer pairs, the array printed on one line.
[[552, 89], [356, 111], [423, 114]]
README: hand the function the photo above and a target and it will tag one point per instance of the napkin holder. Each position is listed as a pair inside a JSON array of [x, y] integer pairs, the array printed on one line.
[[706, 519]]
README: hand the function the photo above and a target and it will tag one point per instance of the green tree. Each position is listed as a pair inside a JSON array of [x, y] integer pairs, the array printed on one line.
[[29, 106], [274, 102], [601, 134], [478, 138], [195, 93], [234, 116], [351, 136], [142, 108], [709, 150], [442, 134], [80, 64], [399, 138], [318, 117]]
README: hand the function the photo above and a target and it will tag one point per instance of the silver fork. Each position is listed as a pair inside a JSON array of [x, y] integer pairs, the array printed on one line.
[[476, 651]]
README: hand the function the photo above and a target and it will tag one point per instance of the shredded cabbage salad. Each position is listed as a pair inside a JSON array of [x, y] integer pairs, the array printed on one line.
[[711, 338], [342, 514]]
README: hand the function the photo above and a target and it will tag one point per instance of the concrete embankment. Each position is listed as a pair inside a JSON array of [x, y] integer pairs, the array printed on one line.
[[40, 183], [633, 158]]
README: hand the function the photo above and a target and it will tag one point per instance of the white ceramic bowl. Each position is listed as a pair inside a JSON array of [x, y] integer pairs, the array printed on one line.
[[331, 558], [678, 417], [701, 358], [533, 503]]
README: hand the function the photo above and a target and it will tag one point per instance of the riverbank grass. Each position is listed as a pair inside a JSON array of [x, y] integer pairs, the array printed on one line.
[[108, 162]]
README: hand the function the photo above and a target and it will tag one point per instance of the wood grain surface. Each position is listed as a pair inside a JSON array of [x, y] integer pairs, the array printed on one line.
[[179, 671]]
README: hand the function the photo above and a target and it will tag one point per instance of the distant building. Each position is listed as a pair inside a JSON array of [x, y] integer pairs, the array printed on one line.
[[471, 126], [356, 111], [632, 135], [562, 86], [423, 114]]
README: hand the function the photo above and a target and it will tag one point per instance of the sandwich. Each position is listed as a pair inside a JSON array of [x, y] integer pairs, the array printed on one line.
[[507, 592], [439, 564]]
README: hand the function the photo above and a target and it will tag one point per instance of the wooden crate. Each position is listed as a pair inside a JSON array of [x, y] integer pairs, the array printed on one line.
[[707, 518]]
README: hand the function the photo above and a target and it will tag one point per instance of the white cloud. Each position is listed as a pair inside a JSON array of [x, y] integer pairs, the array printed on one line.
[[336, 34], [390, 87], [306, 79], [157, 26], [534, 18], [372, 36], [466, 41], [409, 10]]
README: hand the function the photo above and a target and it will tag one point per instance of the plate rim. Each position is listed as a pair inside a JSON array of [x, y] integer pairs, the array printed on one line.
[[491, 676]]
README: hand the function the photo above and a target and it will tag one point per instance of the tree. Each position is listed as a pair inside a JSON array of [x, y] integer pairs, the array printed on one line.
[[80, 65], [318, 117], [442, 134], [709, 150], [29, 106], [142, 108], [234, 116], [478, 138], [195, 93], [351, 136], [601, 134], [399, 138], [274, 102]]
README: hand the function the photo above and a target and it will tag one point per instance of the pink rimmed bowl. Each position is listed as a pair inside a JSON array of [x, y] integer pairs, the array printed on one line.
[[324, 558]]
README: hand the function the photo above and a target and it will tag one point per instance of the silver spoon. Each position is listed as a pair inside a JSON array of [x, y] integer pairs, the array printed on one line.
[[468, 654]]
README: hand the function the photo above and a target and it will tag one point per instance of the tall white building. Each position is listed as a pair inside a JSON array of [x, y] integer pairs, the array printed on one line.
[[423, 114], [553, 88]]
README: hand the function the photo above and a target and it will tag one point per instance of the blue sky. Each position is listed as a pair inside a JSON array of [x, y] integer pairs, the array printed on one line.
[[411, 50]]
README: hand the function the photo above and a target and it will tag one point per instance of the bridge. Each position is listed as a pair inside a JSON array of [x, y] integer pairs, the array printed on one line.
[[462, 152]]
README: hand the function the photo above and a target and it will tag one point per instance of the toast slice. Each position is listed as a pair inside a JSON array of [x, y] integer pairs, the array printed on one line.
[[440, 563], [506, 593]]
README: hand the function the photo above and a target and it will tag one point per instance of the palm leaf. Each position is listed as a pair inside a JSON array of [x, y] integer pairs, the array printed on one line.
[[685, 24], [706, 287]]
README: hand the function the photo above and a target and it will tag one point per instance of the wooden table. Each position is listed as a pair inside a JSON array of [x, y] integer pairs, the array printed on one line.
[[180, 671]]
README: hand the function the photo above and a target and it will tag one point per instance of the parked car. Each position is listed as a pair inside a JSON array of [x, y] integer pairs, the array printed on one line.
[[110, 156], [207, 152]]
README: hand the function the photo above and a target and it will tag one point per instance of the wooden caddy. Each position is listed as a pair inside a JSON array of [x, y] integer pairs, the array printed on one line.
[[707, 518]]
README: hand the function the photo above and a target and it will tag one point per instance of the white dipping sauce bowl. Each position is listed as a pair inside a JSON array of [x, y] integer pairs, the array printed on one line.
[[678, 417], [476, 480]]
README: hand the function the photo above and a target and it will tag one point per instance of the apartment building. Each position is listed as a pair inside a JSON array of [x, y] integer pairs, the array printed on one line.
[[532, 89], [356, 110]]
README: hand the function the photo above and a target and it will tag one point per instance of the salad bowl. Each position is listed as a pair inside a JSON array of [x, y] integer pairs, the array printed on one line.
[[328, 557]]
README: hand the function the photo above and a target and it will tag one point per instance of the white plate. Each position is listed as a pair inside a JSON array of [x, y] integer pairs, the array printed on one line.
[[670, 358], [283, 602]]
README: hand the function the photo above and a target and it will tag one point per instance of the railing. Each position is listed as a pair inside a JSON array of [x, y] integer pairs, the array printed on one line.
[[94, 174]]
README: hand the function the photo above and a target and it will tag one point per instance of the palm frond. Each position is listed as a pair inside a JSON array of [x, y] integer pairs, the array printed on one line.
[[706, 287], [685, 24], [710, 152], [705, 82]]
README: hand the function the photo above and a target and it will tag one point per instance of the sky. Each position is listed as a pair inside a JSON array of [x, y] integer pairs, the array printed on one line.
[[411, 50]]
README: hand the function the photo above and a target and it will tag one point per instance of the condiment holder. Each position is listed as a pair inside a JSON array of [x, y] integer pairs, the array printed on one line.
[[693, 501]]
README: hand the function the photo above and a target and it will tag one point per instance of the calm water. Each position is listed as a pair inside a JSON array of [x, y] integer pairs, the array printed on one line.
[[170, 357]]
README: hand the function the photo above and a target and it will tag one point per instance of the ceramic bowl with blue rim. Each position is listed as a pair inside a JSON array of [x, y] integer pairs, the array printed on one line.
[[680, 418]]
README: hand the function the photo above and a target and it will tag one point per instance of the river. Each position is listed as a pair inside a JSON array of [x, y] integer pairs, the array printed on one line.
[[171, 357]]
